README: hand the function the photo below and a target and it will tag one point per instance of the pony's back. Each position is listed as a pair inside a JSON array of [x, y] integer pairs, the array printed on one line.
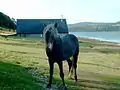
[[69, 45]]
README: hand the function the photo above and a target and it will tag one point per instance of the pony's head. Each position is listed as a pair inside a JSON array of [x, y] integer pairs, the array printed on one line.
[[50, 32]]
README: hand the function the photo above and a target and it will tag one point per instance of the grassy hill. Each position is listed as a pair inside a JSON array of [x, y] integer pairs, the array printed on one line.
[[6, 22], [94, 26], [24, 66]]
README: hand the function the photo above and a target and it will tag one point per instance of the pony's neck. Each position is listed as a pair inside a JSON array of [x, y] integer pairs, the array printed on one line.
[[56, 36], [56, 40], [55, 33]]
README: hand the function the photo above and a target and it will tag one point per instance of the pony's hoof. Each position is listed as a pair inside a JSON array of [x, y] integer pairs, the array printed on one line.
[[70, 78], [75, 78], [48, 86], [65, 88]]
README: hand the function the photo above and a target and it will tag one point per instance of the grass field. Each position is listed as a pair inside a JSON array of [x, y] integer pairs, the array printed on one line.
[[24, 66]]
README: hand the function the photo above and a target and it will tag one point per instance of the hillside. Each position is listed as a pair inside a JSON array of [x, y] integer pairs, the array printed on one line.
[[94, 26], [6, 22]]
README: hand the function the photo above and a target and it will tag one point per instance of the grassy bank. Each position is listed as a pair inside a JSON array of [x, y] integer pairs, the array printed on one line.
[[24, 66]]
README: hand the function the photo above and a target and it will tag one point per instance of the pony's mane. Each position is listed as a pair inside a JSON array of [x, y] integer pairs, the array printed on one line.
[[54, 30]]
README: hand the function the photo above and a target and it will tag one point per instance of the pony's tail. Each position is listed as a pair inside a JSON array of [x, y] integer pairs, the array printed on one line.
[[75, 58], [73, 64]]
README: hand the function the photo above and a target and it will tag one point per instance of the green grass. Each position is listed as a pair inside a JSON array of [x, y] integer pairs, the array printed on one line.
[[15, 77], [24, 66]]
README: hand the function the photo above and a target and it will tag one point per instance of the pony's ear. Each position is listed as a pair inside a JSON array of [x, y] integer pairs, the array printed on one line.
[[56, 25], [44, 25]]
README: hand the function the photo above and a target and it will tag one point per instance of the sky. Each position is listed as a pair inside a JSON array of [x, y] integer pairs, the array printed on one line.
[[73, 11]]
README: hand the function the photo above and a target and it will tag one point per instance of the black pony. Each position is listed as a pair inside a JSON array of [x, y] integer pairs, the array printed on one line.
[[60, 48]]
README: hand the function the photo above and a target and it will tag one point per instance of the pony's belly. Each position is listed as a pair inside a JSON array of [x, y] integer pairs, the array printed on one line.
[[60, 56], [67, 54]]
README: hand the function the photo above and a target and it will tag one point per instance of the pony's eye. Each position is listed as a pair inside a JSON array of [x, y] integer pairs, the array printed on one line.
[[50, 28]]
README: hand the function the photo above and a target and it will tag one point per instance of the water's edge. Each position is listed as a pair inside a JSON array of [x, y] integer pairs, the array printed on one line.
[[102, 36]]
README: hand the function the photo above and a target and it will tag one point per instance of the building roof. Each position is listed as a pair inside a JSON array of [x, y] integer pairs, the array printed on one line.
[[36, 26]]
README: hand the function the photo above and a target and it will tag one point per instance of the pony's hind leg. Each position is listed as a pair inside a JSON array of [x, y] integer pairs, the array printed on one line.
[[75, 59], [70, 64]]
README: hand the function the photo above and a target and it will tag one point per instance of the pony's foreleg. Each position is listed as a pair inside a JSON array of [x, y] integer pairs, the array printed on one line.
[[51, 65], [61, 71], [62, 74]]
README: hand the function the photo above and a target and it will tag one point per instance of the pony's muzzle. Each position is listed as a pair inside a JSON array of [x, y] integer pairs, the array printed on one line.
[[50, 45]]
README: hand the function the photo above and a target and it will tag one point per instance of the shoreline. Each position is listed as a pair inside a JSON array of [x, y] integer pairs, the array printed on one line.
[[99, 36], [93, 40], [99, 39]]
